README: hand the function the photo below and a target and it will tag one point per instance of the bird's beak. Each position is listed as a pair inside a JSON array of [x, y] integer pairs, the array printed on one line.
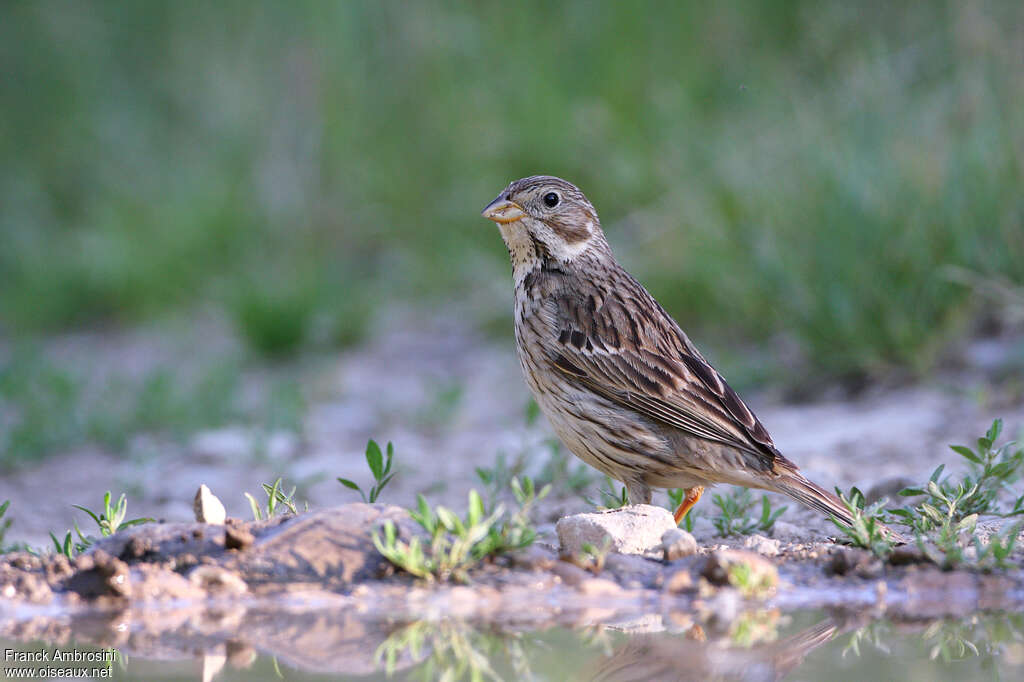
[[502, 211]]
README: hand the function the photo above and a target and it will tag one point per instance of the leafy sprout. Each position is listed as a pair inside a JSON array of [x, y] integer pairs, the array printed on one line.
[[736, 517], [380, 469], [991, 471], [275, 498], [867, 530], [112, 518], [455, 544]]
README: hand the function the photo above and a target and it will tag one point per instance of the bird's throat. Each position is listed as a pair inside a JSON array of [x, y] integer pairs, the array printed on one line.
[[521, 249]]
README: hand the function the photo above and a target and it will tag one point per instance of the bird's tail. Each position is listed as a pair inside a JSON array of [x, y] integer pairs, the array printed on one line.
[[795, 485]]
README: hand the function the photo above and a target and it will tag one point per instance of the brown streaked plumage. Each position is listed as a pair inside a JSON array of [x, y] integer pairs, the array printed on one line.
[[620, 382]]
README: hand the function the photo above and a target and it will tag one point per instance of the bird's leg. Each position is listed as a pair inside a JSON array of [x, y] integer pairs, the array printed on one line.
[[692, 496]]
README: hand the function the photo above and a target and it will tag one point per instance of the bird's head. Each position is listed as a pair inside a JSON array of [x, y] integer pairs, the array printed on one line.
[[545, 215]]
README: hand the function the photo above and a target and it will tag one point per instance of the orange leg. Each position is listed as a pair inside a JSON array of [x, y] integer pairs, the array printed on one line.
[[692, 496]]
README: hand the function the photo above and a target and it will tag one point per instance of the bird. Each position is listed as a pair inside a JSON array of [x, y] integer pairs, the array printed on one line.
[[622, 385]]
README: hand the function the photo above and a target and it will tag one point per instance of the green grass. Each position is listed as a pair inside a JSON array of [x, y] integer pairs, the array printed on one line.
[[47, 406], [800, 170]]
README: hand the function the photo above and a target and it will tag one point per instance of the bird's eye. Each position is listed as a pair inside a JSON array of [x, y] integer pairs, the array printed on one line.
[[551, 200]]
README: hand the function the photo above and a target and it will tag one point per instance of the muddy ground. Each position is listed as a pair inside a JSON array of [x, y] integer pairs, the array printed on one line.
[[311, 590]]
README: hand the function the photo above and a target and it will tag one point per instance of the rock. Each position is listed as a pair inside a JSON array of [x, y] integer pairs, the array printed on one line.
[[676, 543], [208, 508], [332, 547], [749, 573], [636, 529], [762, 545]]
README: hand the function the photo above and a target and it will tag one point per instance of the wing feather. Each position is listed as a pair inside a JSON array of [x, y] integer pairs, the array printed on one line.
[[652, 367]]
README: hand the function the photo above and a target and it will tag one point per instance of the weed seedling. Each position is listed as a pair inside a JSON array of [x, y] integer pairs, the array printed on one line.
[[735, 518], [275, 496], [111, 519], [455, 545], [867, 530], [944, 523], [991, 470], [380, 468]]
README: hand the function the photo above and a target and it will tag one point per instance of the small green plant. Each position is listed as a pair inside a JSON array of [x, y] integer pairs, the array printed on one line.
[[735, 517], [996, 552], [867, 530], [955, 545], [945, 522], [991, 471], [112, 518], [454, 544], [68, 546], [380, 468], [498, 478], [109, 521], [275, 497]]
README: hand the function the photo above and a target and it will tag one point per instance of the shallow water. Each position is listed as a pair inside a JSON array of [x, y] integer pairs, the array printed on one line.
[[758, 645]]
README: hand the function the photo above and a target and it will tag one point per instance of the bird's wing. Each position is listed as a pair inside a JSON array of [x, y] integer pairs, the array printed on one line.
[[626, 347]]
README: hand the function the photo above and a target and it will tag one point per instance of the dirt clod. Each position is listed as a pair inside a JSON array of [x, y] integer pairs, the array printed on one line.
[[238, 537]]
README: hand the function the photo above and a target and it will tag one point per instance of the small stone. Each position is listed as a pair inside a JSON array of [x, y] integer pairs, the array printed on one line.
[[238, 537], [636, 529], [680, 581], [749, 573], [762, 545], [677, 543], [208, 508]]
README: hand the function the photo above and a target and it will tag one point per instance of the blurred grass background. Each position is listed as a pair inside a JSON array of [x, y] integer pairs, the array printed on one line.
[[801, 172]]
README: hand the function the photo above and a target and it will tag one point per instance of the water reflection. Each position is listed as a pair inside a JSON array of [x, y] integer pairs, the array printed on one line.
[[758, 645]]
